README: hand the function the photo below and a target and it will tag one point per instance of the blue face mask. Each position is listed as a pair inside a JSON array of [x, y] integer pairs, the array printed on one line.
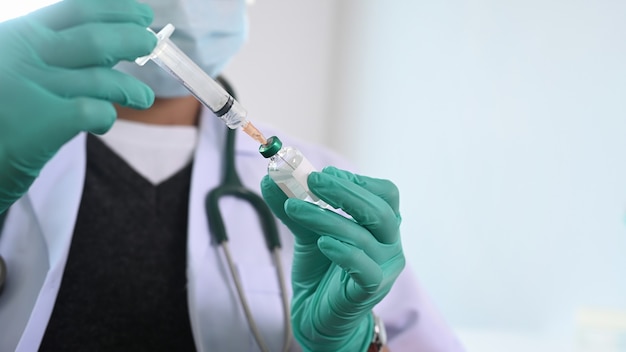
[[210, 32]]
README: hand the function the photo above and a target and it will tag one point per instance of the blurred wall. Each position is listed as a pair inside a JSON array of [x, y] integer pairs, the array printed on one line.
[[503, 124], [283, 73]]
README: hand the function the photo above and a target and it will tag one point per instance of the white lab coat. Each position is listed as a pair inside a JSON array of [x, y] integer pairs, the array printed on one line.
[[38, 230]]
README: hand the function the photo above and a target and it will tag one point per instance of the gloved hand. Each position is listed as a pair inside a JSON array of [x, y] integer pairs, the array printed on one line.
[[56, 79], [341, 267]]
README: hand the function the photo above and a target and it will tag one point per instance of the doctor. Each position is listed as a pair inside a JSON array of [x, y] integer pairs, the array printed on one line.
[[106, 238]]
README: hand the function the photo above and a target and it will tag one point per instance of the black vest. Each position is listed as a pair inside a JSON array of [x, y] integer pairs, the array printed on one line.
[[124, 287]]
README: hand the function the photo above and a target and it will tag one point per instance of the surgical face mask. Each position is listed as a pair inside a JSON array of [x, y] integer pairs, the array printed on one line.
[[210, 32]]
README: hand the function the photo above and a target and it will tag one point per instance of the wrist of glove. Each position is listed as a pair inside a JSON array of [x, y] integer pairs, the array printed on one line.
[[342, 267], [316, 331]]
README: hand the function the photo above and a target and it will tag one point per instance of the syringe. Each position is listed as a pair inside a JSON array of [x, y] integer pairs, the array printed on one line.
[[170, 58]]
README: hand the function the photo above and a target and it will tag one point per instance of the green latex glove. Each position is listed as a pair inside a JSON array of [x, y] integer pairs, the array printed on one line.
[[56, 80], [341, 267]]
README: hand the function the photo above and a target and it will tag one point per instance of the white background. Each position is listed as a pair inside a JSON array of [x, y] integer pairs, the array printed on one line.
[[503, 124]]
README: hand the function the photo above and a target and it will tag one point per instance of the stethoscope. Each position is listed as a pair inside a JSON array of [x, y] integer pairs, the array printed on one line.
[[231, 186]]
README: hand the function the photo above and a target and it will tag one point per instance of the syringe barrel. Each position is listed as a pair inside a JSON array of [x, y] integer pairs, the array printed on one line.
[[173, 60]]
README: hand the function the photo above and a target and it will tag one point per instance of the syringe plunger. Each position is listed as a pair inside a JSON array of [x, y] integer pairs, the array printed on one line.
[[170, 58]]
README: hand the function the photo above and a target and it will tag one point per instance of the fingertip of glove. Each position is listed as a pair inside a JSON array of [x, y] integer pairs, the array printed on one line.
[[146, 98], [145, 14], [345, 175], [318, 180], [292, 205], [265, 180], [324, 242], [149, 97], [337, 172], [267, 184], [272, 194], [101, 118], [330, 169], [315, 176], [301, 209], [152, 41], [140, 42]]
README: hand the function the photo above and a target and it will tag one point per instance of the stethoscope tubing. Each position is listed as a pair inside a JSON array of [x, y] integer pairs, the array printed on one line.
[[232, 186]]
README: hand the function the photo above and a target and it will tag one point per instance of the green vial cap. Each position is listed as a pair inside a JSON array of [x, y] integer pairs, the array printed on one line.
[[270, 148]]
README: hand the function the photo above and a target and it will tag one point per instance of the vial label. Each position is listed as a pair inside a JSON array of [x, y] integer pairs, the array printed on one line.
[[293, 181]]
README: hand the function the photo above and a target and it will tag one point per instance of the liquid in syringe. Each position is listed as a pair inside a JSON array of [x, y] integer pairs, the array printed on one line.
[[253, 132]]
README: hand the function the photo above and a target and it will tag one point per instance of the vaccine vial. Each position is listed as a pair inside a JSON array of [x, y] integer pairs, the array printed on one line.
[[289, 169]]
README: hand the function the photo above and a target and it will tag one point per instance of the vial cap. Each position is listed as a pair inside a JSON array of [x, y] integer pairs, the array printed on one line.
[[270, 148]]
